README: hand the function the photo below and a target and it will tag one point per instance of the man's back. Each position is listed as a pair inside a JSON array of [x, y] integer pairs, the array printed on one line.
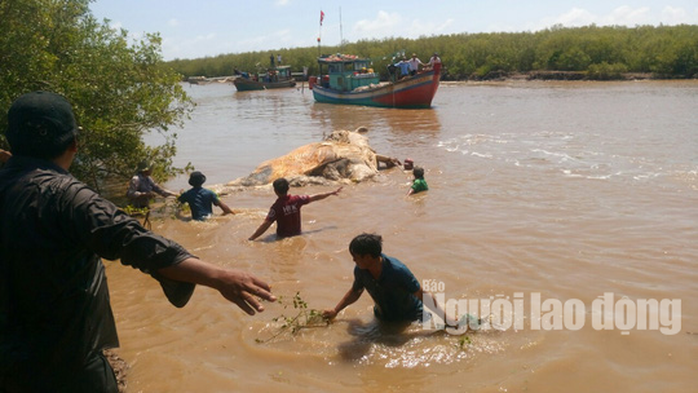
[[393, 292], [200, 202], [286, 211], [54, 291], [54, 301]]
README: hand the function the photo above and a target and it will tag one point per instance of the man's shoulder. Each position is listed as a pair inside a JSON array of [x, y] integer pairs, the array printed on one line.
[[395, 264], [298, 198]]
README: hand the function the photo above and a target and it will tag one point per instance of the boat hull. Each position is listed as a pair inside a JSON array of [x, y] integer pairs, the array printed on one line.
[[243, 84], [414, 92]]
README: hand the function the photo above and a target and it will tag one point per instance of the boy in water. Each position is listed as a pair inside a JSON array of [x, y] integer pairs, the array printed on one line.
[[201, 200], [286, 211], [394, 289], [419, 183]]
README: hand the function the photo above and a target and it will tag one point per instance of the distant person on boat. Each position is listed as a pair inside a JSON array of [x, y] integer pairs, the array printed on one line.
[[419, 183], [404, 67], [55, 312], [278, 59], [286, 211], [271, 60], [201, 200], [142, 188], [435, 59], [392, 68], [396, 292], [414, 64]]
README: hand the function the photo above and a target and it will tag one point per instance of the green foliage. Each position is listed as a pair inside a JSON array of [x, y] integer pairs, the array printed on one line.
[[666, 51], [119, 90], [302, 319], [605, 71], [464, 342]]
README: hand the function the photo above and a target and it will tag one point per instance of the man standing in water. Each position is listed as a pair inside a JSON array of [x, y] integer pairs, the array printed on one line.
[[55, 313], [142, 188], [286, 211], [394, 289]]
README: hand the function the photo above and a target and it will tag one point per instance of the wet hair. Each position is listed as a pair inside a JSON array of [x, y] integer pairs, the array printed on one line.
[[366, 243], [281, 186], [418, 172]]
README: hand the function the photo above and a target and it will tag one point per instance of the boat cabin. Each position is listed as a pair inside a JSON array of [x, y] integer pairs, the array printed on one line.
[[346, 72]]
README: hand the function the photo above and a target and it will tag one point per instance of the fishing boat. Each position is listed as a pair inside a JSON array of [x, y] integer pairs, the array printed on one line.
[[350, 80], [274, 78]]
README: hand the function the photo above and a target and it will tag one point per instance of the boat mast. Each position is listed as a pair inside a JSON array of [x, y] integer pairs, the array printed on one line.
[[341, 35]]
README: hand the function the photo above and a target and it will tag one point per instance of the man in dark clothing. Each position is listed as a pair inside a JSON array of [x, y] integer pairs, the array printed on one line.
[[201, 200], [142, 188], [286, 211], [394, 289], [55, 315]]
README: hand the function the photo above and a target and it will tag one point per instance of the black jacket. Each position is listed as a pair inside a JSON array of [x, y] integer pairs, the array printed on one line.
[[54, 302]]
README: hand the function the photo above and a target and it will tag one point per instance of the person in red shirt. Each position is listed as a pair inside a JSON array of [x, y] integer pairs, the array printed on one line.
[[286, 211]]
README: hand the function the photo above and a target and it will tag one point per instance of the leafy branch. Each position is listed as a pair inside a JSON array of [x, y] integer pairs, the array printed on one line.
[[303, 318]]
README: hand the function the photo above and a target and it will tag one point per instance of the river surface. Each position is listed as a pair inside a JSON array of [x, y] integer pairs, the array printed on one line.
[[576, 204]]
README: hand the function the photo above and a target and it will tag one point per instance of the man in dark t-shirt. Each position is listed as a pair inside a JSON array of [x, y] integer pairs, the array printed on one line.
[[201, 200], [394, 289], [286, 211]]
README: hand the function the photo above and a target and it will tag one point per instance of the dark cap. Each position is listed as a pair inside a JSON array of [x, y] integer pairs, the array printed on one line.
[[196, 179], [40, 124], [143, 166]]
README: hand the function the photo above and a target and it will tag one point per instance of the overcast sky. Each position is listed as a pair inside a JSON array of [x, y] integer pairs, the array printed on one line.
[[193, 29]]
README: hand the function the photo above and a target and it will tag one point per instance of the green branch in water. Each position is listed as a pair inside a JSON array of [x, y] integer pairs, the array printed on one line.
[[303, 318]]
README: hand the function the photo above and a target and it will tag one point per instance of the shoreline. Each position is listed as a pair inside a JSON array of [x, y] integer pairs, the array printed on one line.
[[494, 76]]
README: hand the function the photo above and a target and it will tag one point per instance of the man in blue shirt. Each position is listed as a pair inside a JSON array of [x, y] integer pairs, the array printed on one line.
[[201, 200], [404, 67], [392, 286]]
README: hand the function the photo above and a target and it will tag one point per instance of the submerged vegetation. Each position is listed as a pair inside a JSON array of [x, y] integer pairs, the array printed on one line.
[[302, 318], [591, 52]]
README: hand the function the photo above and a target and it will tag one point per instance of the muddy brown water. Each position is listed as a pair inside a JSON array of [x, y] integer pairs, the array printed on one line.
[[560, 191]]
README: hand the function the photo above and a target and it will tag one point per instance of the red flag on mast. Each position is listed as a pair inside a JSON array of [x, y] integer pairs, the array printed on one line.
[[322, 16]]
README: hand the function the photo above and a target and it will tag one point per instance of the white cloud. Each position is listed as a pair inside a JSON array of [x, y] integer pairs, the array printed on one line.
[[623, 16], [676, 16], [576, 17], [384, 25], [282, 3], [420, 28], [173, 22], [627, 16], [276, 39]]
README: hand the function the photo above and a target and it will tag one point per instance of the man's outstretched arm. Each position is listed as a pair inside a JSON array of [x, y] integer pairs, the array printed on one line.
[[318, 197], [241, 288], [349, 298], [262, 228]]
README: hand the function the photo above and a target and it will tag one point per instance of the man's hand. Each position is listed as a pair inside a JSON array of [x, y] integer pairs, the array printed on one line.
[[241, 288], [245, 290], [329, 314]]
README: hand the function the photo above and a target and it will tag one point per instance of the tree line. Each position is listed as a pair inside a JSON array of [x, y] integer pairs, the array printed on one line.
[[594, 51]]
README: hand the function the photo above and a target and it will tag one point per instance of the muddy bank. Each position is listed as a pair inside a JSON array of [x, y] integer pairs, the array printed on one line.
[[547, 75], [120, 367]]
